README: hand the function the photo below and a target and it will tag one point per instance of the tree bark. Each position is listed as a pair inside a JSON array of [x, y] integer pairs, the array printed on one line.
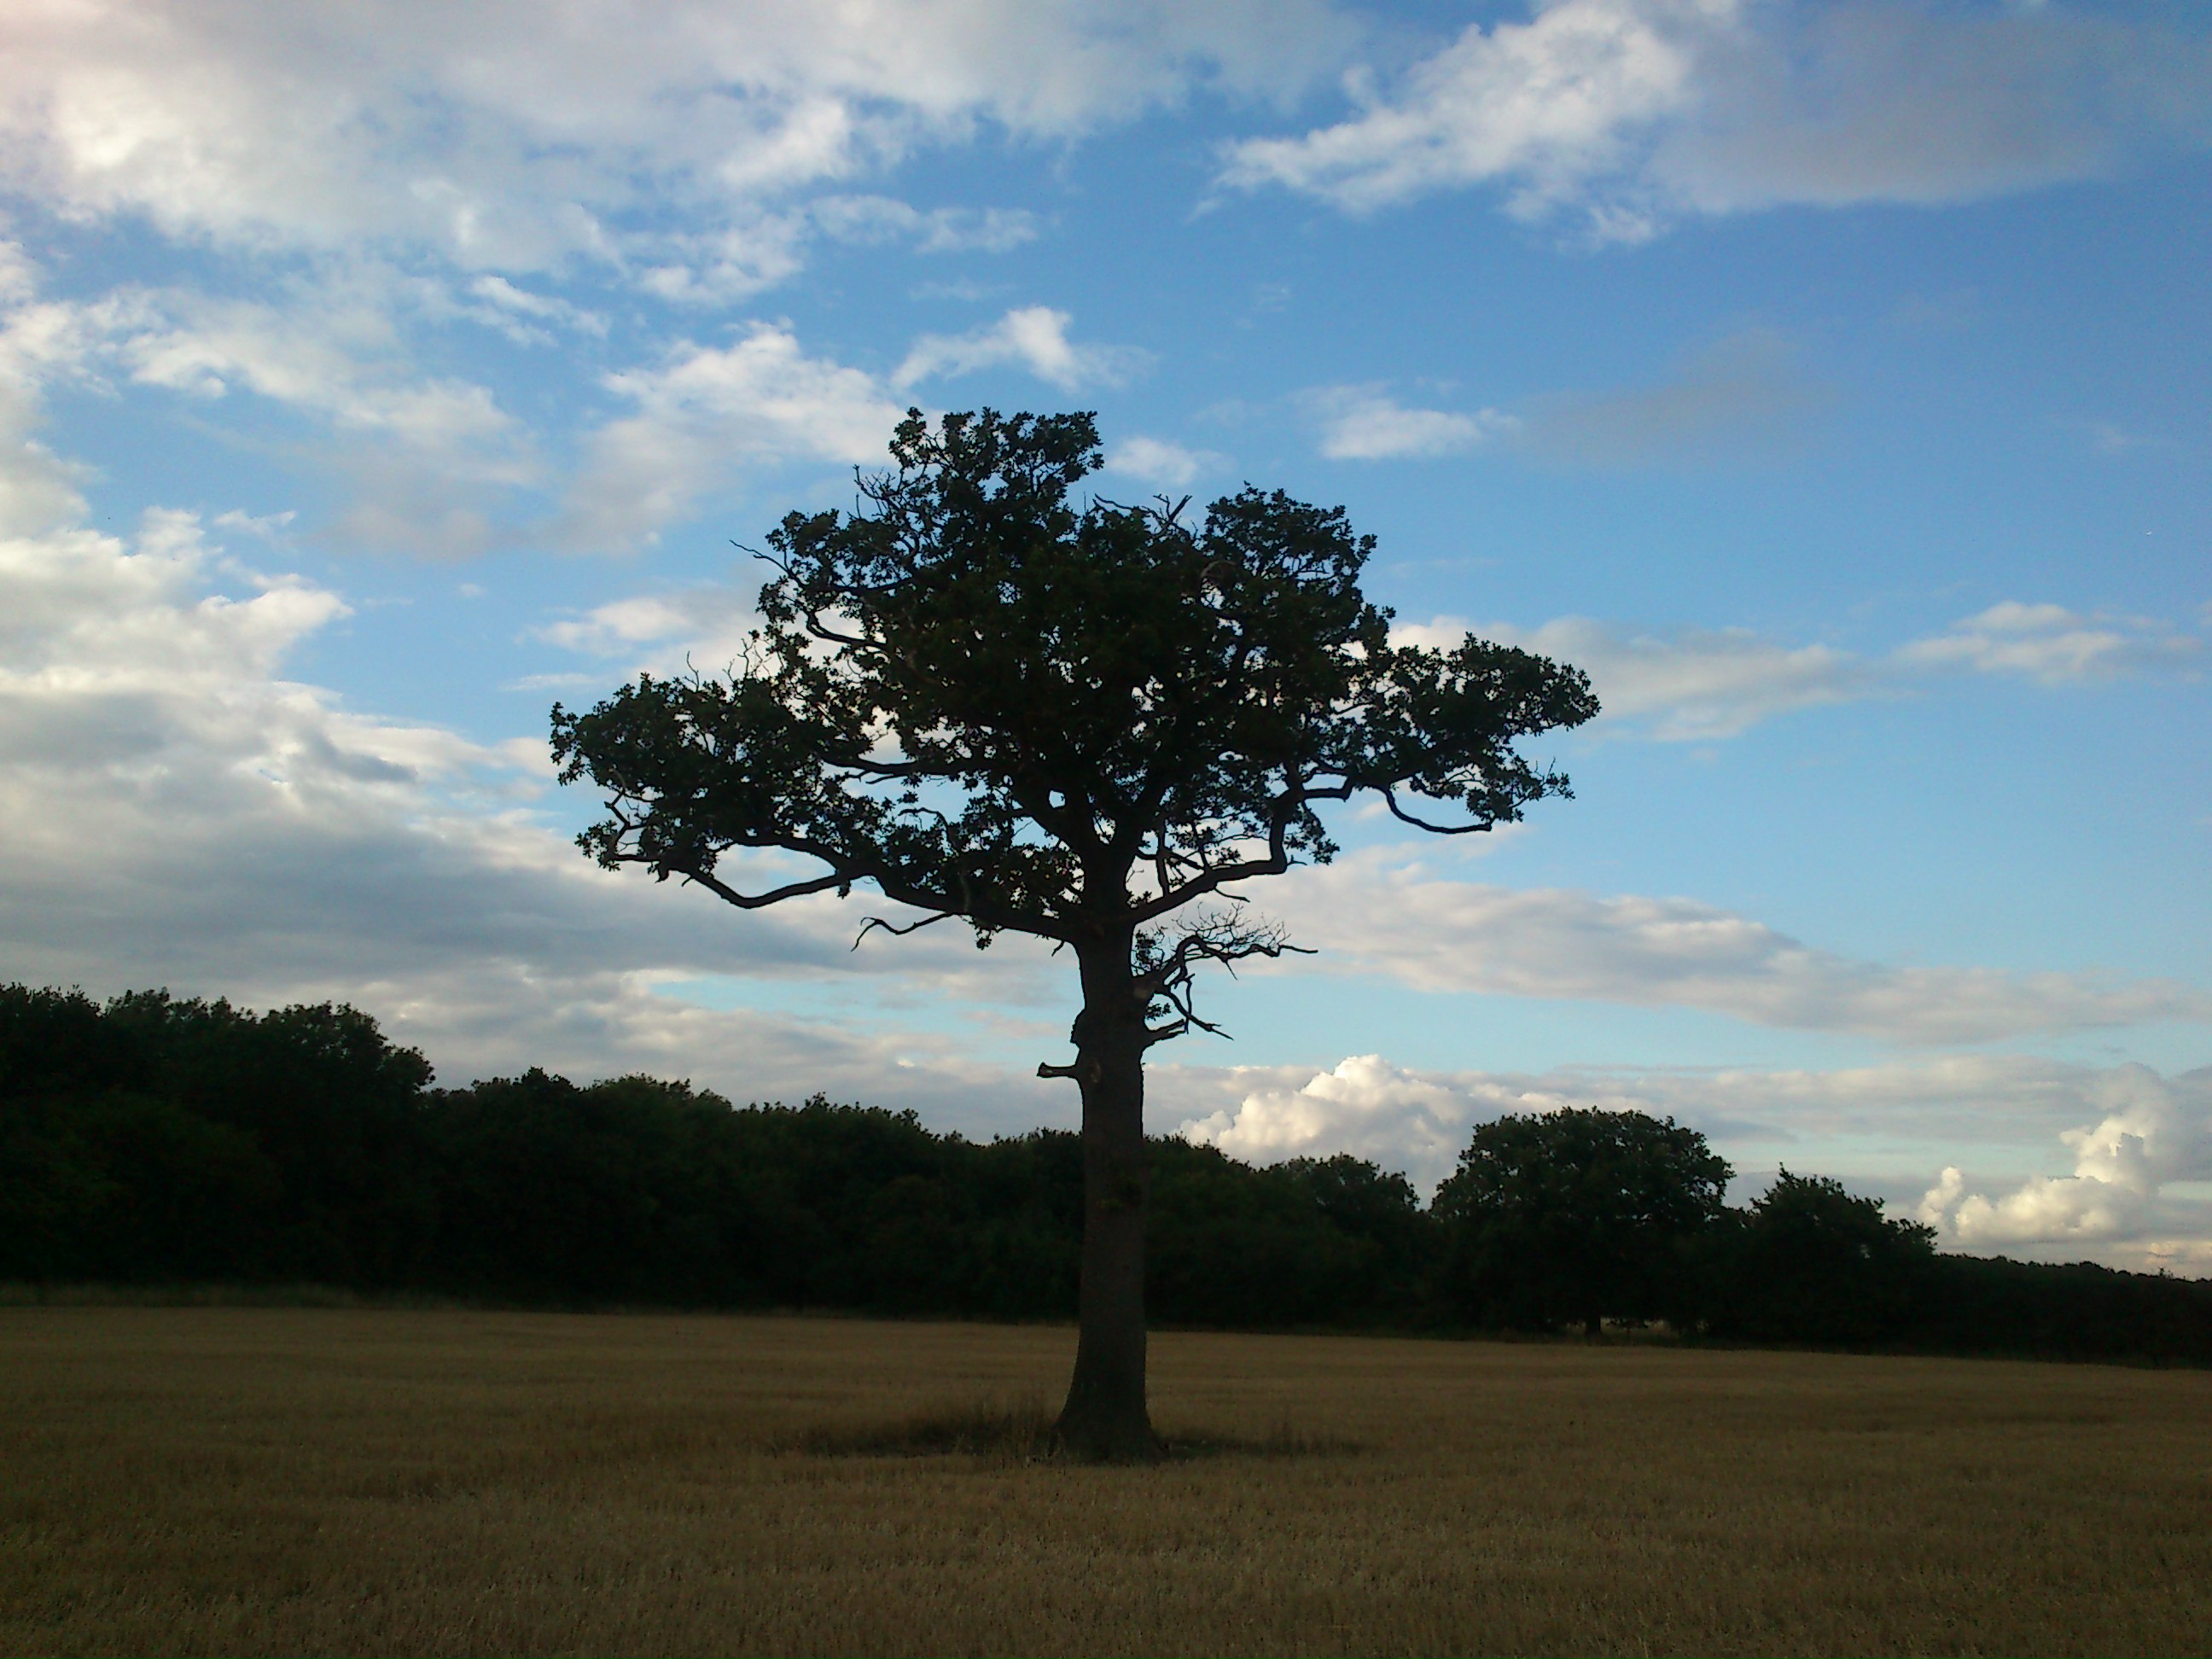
[[1106, 1416]]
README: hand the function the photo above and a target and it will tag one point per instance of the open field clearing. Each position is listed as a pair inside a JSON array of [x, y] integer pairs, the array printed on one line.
[[266, 1480]]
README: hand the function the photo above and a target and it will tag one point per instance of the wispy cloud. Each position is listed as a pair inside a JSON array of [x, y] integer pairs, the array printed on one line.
[[1033, 337], [1628, 113], [1747, 394], [1366, 423], [1686, 685], [430, 459], [2053, 645], [1697, 685], [1398, 919], [1157, 461]]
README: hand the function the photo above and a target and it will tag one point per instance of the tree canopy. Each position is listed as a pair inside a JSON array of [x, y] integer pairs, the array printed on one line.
[[156, 1140], [1579, 1216], [1079, 719], [988, 703]]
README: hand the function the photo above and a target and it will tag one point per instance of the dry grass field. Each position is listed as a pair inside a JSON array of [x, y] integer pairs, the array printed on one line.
[[312, 1480]]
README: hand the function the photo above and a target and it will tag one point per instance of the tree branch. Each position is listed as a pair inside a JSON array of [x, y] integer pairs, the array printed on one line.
[[871, 923], [1391, 800], [756, 901]]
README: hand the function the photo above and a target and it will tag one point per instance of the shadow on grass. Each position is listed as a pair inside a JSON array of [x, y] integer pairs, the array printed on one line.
[[1021, 1431]]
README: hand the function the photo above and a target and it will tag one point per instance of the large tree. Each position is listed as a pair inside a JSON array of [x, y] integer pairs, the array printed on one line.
[[1084, 721]]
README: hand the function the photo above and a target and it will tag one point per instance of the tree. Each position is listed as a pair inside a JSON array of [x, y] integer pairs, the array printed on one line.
[[1812, 1263], [1083, 722], [1578, 1216]]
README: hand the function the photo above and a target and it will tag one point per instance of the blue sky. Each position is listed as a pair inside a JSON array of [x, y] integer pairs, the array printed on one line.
[[1830, 382]]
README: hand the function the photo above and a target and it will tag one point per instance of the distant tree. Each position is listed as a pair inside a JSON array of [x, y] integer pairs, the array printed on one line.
[[1077, 721], [1811, 1262], [1576, 1216]]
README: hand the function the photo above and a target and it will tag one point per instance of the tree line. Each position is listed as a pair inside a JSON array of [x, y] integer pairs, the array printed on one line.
[[157, 1140]]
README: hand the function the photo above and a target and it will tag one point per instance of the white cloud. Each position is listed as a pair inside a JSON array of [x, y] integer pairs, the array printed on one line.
[[1365, 1106], [507, 307], [2153, 1131], [1546, 104], [1693, 685], [206, 348], [38, 489], [1157, 461], [1033, 337], [501, 136], [705, 412], [430, 457], [1699, 685], [1363, 424], [939, 230], [1395, 919], [2051, 644], [664, 632], [1631, 112], [180, 812]]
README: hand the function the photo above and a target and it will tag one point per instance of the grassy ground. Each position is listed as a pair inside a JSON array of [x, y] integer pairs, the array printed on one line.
[[266, 1480]]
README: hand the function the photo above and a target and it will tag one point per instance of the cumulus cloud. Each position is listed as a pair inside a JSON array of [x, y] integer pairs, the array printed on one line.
[[1398, 919], [703, 412], [1034, 337], [2153, 1131], [1365, 423], [501, 137], [1419, 1121], [1630, 112], [1365, 1106]]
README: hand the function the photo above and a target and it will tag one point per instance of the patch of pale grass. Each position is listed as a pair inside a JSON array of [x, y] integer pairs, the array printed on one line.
[[261, 1480]]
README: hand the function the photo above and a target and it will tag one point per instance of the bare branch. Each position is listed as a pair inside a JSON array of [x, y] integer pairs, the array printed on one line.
[[896, 931]]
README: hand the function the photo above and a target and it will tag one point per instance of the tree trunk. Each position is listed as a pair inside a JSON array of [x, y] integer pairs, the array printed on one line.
[[1105, 1416]]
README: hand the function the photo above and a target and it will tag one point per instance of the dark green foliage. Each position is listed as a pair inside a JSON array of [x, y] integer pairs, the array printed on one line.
[[155, 1139], [988, 702], [1809, 1263], [1579, 1216], [2079, 1310], [1307, 1243], [211, 1135]]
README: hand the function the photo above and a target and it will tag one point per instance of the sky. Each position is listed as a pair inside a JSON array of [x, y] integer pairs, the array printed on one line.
[[1830, 382]]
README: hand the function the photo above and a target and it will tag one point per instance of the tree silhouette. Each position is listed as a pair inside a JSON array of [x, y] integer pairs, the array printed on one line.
[[1085, 723], [1578, 1216]]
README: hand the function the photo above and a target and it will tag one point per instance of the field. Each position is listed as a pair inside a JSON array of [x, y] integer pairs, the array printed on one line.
[[286, 1481]]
